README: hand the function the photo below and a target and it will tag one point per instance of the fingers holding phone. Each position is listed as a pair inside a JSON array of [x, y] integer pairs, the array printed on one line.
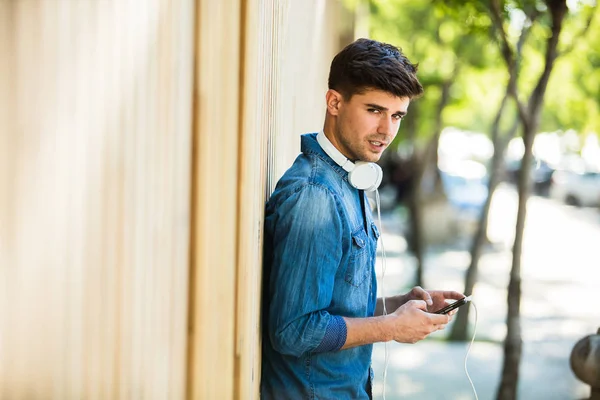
[[412, 323], [440, 298], [452, 307], [435, 299]]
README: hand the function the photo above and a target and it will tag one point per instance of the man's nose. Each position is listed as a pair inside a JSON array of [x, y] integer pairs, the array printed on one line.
[[387, 126]]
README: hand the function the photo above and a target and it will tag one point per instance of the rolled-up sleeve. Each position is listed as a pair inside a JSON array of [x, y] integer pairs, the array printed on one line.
[[307, 250]]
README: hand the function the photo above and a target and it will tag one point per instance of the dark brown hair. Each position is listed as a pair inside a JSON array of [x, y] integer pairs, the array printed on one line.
[[369, 64]]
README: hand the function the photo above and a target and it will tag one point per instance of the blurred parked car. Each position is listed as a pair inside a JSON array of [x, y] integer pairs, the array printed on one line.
[[466, 194], [541, 175], [465, 185], [576, 189]]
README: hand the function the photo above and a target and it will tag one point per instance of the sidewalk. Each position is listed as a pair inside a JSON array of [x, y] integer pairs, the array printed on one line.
[[434, 369], [561, 293]]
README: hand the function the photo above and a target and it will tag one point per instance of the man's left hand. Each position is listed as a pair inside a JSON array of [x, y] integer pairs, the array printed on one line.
[[435, 299]]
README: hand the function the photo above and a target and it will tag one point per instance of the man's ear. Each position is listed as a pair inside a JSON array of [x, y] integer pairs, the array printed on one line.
[[334, 101]]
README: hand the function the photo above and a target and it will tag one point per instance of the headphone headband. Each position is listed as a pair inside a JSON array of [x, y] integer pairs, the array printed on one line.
[[334, 153], [362, 175]]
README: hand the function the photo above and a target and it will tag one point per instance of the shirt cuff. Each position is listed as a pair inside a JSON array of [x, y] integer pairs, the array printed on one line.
[[335, 335]]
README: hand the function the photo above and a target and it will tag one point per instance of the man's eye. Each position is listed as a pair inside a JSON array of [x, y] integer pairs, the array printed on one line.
[[397, 117], [374, 110]]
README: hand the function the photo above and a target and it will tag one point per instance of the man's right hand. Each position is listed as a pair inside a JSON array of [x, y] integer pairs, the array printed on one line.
[[411, 322], [408, 324]]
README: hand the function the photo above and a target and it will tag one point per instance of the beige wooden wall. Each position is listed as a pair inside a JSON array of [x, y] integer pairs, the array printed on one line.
[[95, 189], [278, 80], [138, 144]]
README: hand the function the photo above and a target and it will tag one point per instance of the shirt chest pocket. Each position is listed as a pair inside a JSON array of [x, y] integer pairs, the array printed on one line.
[[359, 265]]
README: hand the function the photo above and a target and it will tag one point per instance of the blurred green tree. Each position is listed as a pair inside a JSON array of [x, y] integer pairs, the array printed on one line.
[[466, 79], [554, 13], [448, 52], [579, 24]]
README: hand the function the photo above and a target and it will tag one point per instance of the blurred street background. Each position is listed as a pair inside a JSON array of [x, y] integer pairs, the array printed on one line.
[[139, 142], [493, 185], [561, 293]]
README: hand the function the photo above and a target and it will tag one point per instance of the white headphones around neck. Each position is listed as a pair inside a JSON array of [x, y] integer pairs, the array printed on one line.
[[361, 175]]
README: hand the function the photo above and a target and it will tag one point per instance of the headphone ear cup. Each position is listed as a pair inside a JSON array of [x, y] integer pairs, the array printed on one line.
[[365, 176], [379, 178]]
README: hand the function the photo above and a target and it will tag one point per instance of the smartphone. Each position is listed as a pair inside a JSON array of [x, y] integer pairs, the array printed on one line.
[[454, 305]]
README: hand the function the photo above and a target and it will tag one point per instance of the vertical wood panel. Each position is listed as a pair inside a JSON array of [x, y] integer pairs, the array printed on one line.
[[250, 205], [7, 242], [215, 199], [286, 50], [96, 207]]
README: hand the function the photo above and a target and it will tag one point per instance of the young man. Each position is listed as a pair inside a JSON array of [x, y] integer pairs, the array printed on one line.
[[321, 311]]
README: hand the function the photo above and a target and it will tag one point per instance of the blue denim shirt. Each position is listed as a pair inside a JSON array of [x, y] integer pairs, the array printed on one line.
[[319, 259]]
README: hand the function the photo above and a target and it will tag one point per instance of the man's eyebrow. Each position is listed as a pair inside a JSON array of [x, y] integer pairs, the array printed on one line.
[[381, 108], [376, 106]]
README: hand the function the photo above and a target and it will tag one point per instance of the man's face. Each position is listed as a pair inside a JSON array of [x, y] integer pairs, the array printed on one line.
[[366, 123]]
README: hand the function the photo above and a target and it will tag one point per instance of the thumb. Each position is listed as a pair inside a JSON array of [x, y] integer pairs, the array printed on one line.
[[423, 294], [420, 304], [428, 299]]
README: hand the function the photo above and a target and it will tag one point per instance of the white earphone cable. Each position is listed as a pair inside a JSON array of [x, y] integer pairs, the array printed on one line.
[[383, 268], [469, 350]]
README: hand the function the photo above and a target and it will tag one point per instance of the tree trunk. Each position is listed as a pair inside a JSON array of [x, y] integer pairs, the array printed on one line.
[[416, 228], [530, 117], [444, 99], [460, 327], [513, 342], [415, 241], [415, 203]]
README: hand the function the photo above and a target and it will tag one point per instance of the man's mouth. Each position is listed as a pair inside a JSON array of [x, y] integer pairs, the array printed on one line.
[[377, 143]]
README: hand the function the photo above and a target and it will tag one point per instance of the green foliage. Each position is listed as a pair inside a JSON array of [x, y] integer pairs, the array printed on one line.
[[456, 41], [450, 43], [573, 97]]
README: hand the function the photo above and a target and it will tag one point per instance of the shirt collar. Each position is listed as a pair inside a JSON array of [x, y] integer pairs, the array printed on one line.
[[309, 145]]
